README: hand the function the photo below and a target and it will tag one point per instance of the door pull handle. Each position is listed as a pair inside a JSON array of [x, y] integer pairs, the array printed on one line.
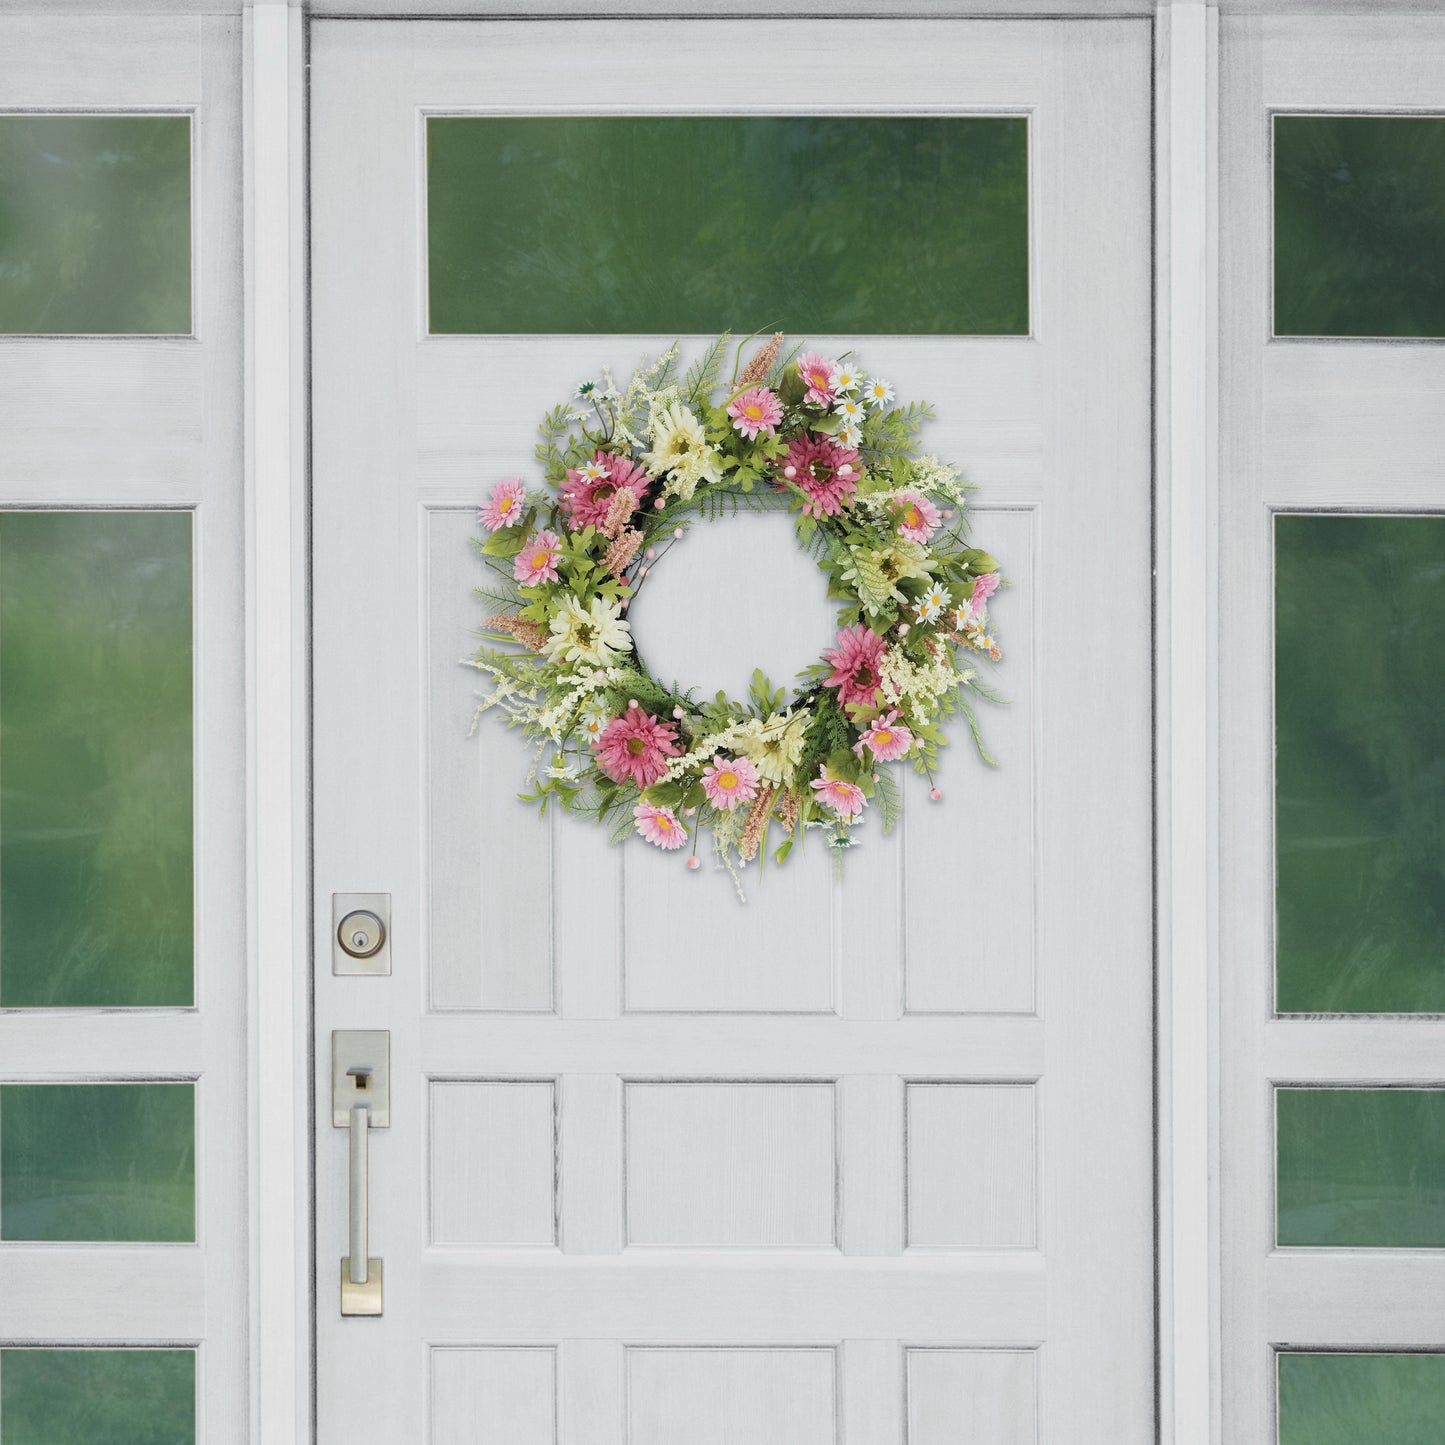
[[360, 1102]]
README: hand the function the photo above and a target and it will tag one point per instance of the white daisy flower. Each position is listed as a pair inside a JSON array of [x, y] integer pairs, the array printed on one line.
[[592, 472], [933, 602], [849, 408], [561, 769], [878, 392], [850, 434], [844, 378], [592, 723]]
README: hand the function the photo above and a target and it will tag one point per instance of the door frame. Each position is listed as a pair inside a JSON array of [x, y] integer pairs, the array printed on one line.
[[278, 696]]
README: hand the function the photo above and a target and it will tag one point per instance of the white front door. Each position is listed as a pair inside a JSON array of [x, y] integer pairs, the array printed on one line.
[[863, 1160]]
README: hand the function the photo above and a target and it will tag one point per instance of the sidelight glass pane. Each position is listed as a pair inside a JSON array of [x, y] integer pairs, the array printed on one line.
[[1367, 1399], [1361, 1168], [673, 225], [1360, 764], [1359, 225], [95, 224], [86, 1397], [95, 759], [97, 1162]]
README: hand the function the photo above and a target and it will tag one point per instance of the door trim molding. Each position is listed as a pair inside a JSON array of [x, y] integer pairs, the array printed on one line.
[[276, 695], [1186, 424]]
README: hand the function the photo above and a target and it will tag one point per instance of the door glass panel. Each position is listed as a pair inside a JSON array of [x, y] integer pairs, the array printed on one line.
[[672, 225], [1339, 1399], [95, 224], [95, 759], [1359, 225], [1360, 763], [1361, 1167], [84, 1397], [97, 1162]]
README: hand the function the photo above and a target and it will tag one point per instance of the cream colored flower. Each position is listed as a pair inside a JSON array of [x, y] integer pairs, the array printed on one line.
[[775, 745], [595, 634], [680, 451]]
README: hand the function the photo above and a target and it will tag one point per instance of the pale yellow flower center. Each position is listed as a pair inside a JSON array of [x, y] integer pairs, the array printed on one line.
[[727, 781], [506, 505], [753, 412], [539, 559], [664, 823], [913, 516], [885, 737]]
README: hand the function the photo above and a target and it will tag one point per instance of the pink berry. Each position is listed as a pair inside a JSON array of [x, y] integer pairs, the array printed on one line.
[[846, 469], [651, 554], [677, 712], [903, 629], [790, 472], [947, 513], [693, 862], [936, 795], [659, 504], [632, 702], [677, 533]]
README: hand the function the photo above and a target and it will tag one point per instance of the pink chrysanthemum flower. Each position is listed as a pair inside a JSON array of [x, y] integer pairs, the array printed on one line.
[[537, 562], [827, 473], [636, 747], [504, 508], [817, 373], [587, 496], [856, 662], [660, 826], [730, 781], [918, 518], [888, 739], [844, 798], [983, 588], [756, 410]]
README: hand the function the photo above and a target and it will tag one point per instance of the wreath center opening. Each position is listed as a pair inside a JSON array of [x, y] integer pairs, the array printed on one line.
[[734, 594]]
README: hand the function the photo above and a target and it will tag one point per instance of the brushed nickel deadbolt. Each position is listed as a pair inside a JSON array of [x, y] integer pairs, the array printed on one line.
[[361, 933]]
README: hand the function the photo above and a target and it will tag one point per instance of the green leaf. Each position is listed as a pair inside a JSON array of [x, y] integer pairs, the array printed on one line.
[[505, 542]]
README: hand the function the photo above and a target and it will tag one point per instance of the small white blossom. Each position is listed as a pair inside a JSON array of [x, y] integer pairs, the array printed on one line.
[[878, 392]]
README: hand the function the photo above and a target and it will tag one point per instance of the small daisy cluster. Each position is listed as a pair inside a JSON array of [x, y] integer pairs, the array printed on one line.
[[628, 471]]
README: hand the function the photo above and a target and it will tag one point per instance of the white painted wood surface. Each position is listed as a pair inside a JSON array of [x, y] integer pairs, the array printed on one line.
[[129, 422], [533, 952], [1305, 425]]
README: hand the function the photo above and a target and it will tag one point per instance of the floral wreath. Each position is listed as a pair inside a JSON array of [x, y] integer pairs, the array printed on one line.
[[628, 470]]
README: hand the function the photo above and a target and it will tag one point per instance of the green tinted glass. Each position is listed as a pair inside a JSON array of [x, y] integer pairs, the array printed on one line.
[[95, 224], [95, 759], [97, 1397], [1360, 763], [1359, 225], [1330, 1399], [1361, 1167], [674, 225], [97, 1162]]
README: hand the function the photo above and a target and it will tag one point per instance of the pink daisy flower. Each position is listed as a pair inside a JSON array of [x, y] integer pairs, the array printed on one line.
[[844, 798], [730, 781], [537, 561], [504, 508], [827, 473], [660, 826], [983, 588], [636, 747], [856, 661], [918, 518], [887, 739], [587, 495], [755, 410], [817, 372]]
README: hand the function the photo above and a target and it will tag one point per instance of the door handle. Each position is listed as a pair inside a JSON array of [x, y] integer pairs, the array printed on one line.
[[357, 1259], [360, 1102]]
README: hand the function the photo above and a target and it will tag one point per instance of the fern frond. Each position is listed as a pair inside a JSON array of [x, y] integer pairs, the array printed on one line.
[[705, 373]]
